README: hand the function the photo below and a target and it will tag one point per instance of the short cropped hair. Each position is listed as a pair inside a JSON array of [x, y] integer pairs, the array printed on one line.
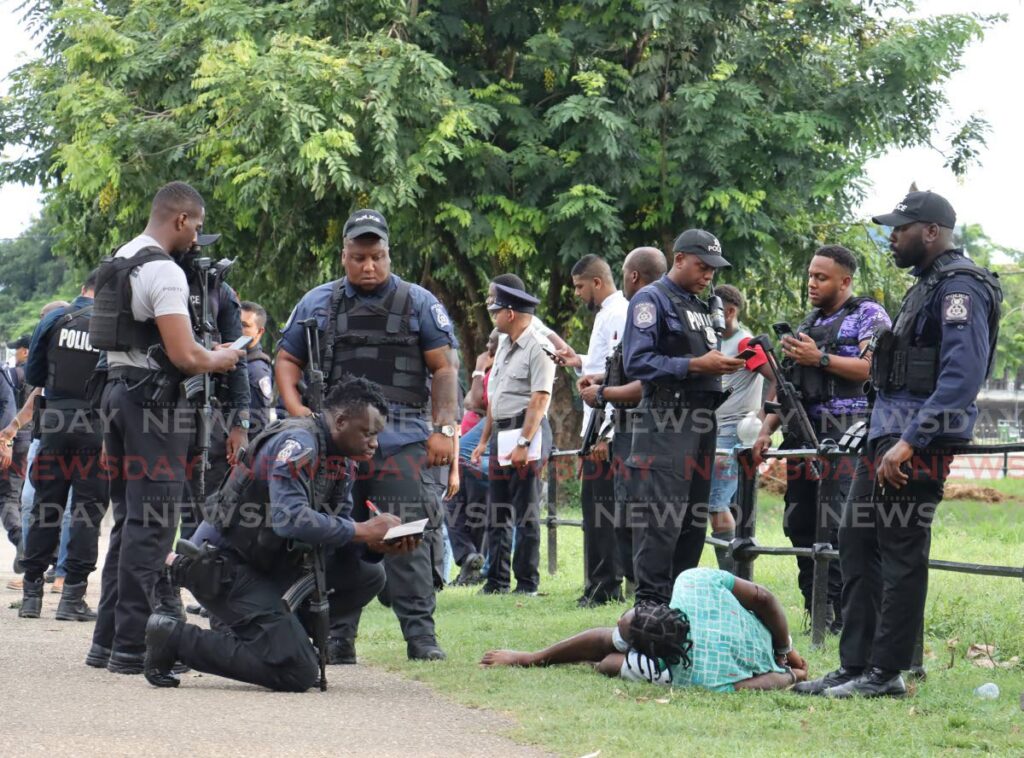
[[731, 296], [352, 394], [91, 279], [841, 255], [176, 197], [592, 266], [257, 310]]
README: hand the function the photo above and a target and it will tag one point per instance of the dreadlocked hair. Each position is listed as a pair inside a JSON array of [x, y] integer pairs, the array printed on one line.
[[661, 633]]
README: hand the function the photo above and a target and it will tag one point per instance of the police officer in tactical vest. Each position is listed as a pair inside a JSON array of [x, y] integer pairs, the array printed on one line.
[[291, 490], [261, 373], [61, 359], [642, 266], [372, 323], [141, 317], [927, 372], [671, 345], [230, 401], [827, 361]]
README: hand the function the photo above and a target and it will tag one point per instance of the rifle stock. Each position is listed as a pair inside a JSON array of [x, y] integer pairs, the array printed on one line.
[[795, 422]]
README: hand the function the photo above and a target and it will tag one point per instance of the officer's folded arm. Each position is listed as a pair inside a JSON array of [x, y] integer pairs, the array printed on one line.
[[187, 355], [287, 375]]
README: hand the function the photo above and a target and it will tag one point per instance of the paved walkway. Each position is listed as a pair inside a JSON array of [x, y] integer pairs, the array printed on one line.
[[51, 703]]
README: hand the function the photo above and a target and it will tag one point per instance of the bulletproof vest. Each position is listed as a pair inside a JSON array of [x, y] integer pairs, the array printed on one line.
[[240, 509], [697, 338], [257, 355], [814, 384], [907, 358], [113, 327], [195, 307], [377, 341], [70, 356]]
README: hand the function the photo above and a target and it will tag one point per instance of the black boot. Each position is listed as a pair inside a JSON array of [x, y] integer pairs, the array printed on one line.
[[125, 663], [97, 656], [31, 599], [341, 650], [72, 606], [424, 648], [169, 602], [160, 653]]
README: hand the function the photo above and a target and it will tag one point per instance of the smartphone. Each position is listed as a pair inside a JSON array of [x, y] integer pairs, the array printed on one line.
[[551, 353], [747, 354], [241, 343], [783, 329]]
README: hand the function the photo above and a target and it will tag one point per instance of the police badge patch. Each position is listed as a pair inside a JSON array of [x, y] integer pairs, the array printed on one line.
[[288, 451], [266, 388], [440, 316], [711, 337], [643, 315], [956, 308]]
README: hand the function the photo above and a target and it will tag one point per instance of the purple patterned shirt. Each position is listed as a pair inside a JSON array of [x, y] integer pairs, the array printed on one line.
[[861, 324]]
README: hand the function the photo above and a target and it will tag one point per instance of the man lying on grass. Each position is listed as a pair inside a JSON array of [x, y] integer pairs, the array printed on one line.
[[717, 632]]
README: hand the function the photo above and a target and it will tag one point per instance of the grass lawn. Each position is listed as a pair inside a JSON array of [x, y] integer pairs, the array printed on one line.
[[573, 711]]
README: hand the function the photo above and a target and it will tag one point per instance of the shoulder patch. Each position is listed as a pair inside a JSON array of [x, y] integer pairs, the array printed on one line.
[[288, 451], [266, 387], [956, 308], [440, 316], [644, 315]]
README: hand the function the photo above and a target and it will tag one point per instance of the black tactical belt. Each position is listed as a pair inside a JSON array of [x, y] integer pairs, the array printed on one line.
[[510, 423], [130, 373]]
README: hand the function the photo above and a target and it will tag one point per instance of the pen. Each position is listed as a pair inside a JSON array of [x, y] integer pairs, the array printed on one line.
[[373, 508]]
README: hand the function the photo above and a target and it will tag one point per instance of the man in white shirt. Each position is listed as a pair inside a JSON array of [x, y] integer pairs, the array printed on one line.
[[593, 284], [150, 349]]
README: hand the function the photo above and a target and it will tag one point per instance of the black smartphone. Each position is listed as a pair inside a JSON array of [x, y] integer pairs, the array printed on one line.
[[783, 329], [747, 354]]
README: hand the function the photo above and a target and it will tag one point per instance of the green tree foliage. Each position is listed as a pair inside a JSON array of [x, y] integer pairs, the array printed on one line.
[[496, 134], [30, 276]]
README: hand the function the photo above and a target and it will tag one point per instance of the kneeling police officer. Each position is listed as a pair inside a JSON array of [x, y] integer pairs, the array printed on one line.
[[290, 491]]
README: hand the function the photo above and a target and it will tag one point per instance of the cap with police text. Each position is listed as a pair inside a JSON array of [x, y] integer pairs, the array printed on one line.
[[926, 207], [366, 221], [204, 240], [22, 342], [702, 244], [510, 297]]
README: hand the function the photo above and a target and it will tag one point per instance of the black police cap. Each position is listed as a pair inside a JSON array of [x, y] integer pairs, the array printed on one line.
[[22, 342], [511, 297], [703, 244], [926, 207], [366, 221]]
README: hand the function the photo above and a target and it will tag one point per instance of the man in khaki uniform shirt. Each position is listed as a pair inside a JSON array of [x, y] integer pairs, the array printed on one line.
[[519, 392]]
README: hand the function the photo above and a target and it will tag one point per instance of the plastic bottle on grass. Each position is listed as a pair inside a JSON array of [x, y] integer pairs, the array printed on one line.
[[987, 691]]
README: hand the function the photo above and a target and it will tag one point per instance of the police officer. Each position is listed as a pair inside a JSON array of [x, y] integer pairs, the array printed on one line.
[[9, 508], [11, 486], [642, 266], [261, 374], [827, 362], [141, 318], [61, 359], [672, 347], [230, 402], [293, 487], [927, 372], [519, 392], [372, 323]]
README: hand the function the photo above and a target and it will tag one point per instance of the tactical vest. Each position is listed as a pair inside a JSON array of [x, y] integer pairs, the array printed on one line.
[[113, 327], [814, 384], [70, 357], [376, 341], [240, 509], [195, 307], [906, 359], [697, 338]]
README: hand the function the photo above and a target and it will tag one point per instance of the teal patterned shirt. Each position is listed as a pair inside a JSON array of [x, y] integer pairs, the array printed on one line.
[[730, 644]]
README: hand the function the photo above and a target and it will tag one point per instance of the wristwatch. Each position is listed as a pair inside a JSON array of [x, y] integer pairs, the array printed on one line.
[[446, 429], [522, 442], [785, 650], [600, 396], [824, 360], [243, 420]]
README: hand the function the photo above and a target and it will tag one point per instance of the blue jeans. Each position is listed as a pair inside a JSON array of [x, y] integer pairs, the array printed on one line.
[[28, 494], [724, 482]]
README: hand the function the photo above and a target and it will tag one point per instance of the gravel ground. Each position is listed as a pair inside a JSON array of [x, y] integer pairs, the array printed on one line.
[[51, 703]]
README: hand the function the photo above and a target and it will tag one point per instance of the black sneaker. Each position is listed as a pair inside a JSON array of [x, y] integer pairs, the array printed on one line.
[[490, 589], [832, 679], [519, 590], [875, 683]]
